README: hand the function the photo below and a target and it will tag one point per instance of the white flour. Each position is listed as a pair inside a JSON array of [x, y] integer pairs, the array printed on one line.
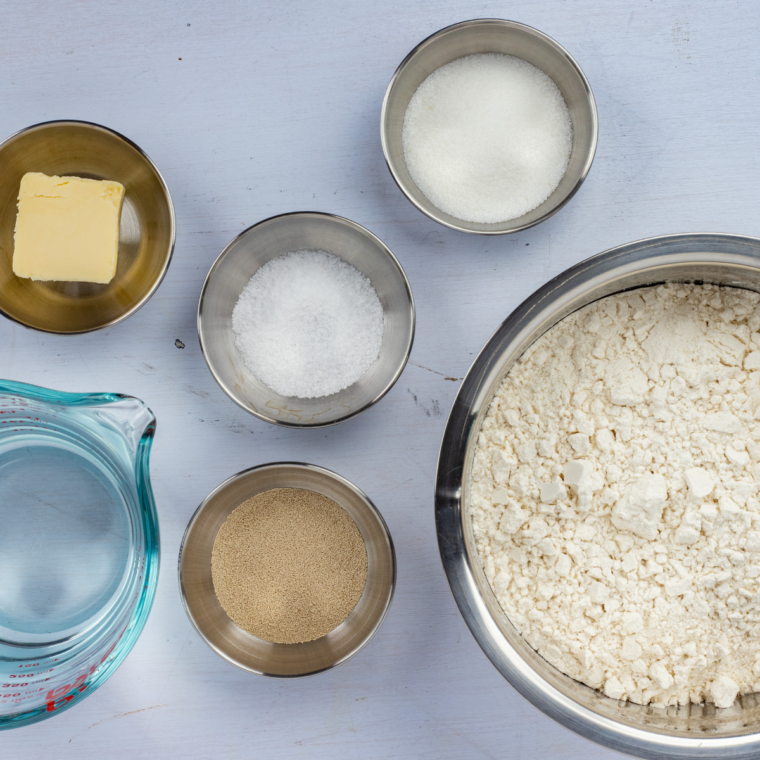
[[614, 495]]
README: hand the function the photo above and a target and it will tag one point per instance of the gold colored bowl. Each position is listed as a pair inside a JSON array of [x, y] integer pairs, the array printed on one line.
[[146, 234]]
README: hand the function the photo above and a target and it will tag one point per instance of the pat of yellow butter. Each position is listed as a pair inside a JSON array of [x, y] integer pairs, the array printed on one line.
[[67, 228]]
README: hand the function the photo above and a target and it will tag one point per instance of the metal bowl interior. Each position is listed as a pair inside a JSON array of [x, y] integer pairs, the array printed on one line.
[[146, 233], [274, 237], [491, 36], [693, 731], [240, 647]]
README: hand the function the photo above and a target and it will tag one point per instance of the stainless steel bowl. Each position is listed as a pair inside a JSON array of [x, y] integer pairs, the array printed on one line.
[[491, 36], [692, 731], [240, 260], [146, 233], [249, 652]]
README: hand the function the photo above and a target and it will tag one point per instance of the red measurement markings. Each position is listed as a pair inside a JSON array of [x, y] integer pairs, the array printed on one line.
[[57, 698]]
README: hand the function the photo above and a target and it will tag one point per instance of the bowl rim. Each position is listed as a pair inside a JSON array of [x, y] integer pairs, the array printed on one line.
[[462, 226], [458, 565], [330, 474], [340, 220], [40, 126]]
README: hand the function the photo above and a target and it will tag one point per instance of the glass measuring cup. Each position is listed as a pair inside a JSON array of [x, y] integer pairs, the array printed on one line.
[[79, 544]]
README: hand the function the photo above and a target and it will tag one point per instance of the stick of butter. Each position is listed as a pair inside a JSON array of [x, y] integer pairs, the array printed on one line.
[[67, 228]]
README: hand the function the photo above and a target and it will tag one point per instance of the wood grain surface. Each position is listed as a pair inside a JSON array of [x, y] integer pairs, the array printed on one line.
[[255, 108]]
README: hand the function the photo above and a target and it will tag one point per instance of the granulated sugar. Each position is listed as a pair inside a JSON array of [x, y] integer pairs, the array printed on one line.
[[487, 137], [614, 495], [308, 324], [289, 565]]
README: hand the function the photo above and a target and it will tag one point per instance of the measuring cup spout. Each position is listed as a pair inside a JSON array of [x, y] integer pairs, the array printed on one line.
[[131, 419]]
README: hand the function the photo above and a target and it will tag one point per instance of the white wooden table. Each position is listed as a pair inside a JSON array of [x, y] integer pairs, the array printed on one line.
[[256, 108]]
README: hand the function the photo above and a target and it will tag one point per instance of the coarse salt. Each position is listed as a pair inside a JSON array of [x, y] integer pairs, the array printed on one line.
[[487, 138], [308, 324]]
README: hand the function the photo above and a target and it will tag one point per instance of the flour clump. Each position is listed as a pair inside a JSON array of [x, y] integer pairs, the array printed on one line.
[[614, 495]]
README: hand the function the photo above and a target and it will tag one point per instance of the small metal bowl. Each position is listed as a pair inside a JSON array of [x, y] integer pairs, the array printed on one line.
[[273, 237], [661, 733], [146, 233], [491, 36], [240, 647]]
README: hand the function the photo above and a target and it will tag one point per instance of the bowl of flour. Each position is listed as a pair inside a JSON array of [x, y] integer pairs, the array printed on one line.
[[598, 497], [306, 319], [489, 126]]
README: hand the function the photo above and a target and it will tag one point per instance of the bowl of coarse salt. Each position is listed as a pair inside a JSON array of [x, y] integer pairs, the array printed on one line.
[[489, 126], [306, 319]]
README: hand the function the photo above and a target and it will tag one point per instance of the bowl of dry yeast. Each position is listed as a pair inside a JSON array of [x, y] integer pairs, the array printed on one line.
[[287, 569]]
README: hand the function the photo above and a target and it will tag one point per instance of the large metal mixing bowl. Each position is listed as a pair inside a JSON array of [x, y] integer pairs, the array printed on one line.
[[690, 731]]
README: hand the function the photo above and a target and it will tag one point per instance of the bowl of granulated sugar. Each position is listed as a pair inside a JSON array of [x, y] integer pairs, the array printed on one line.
[[489, 126], [306, 319], [287, 570]]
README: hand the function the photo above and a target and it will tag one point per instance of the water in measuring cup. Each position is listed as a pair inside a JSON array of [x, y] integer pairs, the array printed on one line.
[[64, 542]]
